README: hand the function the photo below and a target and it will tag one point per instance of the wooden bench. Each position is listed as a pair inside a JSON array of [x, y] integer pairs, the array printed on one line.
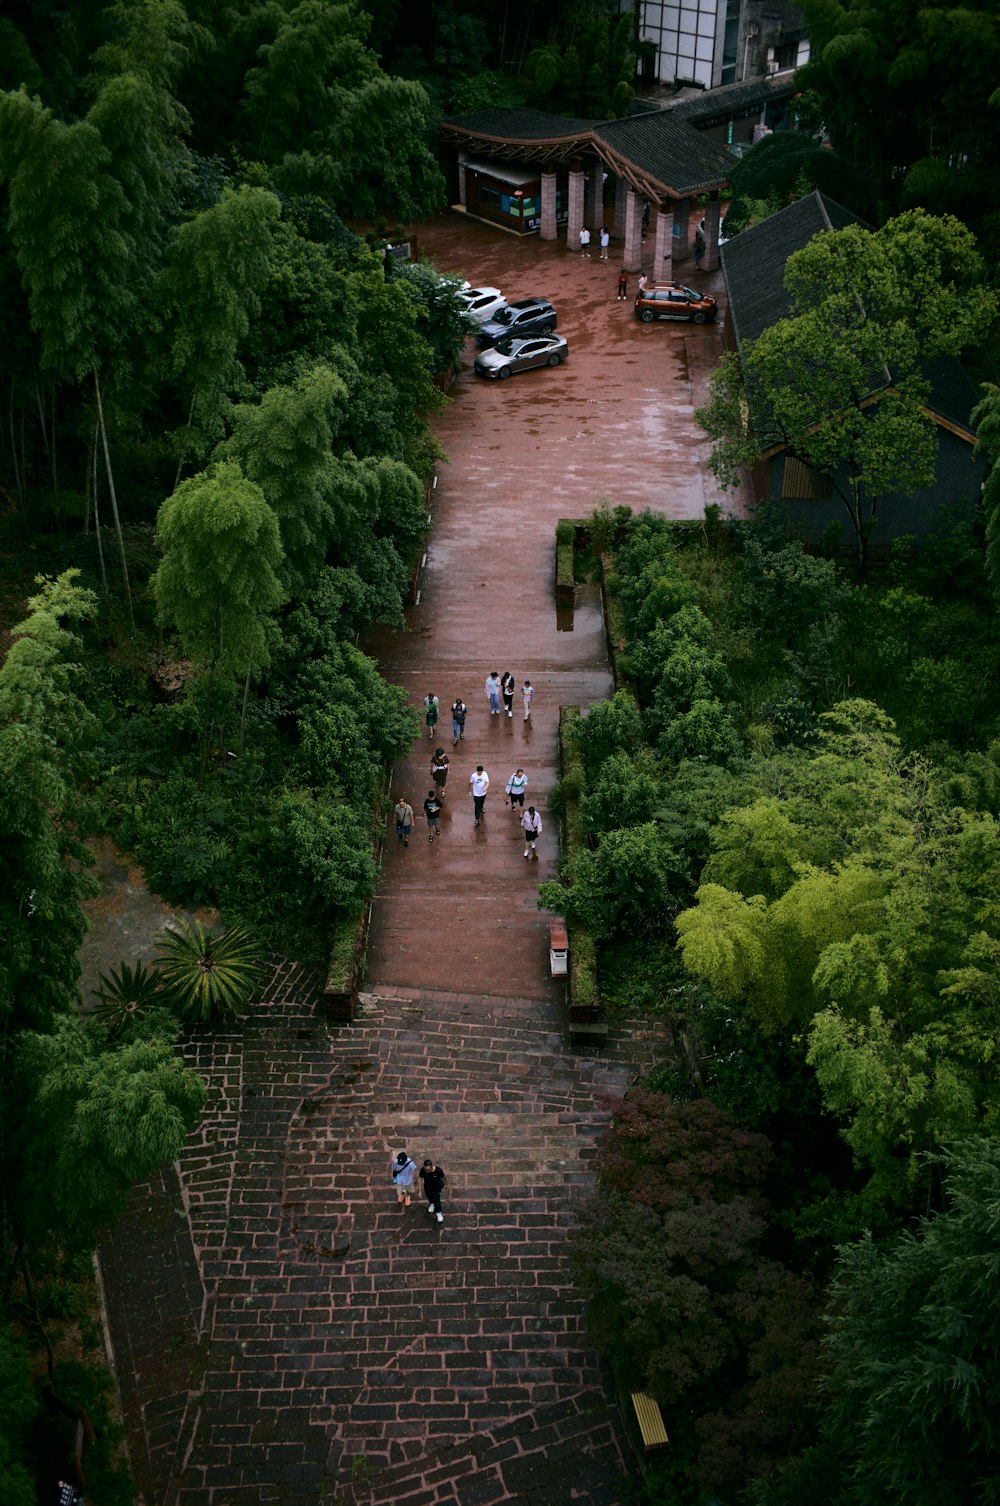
[[650, 1420]]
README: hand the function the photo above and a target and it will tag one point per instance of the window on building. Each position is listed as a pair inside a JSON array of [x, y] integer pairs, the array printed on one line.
[[800, 483]]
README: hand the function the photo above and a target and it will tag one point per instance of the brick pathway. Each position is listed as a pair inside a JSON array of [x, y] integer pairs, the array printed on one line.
[[284, 1334]]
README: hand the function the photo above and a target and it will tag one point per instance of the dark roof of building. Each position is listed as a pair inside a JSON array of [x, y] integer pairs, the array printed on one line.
[[753, 264], [657, 154], [670, 151], [731, 99], [522, 124]]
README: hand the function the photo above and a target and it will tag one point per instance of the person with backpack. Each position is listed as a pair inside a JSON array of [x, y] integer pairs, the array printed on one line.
[[430, 713], [458, 713], [403, 1172]]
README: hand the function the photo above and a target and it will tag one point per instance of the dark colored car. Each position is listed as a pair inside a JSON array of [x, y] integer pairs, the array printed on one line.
[[511, 356], [528, 316], [672, 300]]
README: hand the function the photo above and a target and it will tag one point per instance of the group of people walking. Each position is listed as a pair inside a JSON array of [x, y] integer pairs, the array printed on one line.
[[403, 1174], [479, 784], [500, 690]]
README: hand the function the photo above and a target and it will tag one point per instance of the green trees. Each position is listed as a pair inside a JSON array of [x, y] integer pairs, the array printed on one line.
[[907, 1409], [319, 107], [683, 1294], [862, 303], [47, 733], [216, 267], [905, 91], [94, 1122]]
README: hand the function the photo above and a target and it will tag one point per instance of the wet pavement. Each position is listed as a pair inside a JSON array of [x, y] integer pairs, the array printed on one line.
[[284, 1333], [615, 423]]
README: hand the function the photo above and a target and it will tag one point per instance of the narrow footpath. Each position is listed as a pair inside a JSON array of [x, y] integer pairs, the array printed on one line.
[[283, 1332]]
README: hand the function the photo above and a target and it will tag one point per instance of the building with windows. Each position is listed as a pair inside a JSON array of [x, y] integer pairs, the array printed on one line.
[[708, 43]]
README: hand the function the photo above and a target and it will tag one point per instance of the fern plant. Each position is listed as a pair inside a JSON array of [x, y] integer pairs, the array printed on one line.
[[126, 995], [206, 975]]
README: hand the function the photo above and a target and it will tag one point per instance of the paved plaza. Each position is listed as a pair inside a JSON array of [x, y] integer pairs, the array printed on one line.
[[283, 1332]]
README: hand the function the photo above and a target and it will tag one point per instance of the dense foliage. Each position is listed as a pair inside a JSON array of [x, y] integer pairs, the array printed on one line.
[[577, 59], [862, 303], [802, 882], [213, 461], [907, 92]]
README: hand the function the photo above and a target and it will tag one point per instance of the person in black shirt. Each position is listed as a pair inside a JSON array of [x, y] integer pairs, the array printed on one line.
[[458, 710], [433, 1179], [432, 810]]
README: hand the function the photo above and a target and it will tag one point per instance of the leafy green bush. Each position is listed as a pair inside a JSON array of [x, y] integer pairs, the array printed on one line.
[[609, 727], [208, 976], [128, 996]]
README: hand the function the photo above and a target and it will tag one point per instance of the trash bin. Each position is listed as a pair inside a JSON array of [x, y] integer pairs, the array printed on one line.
[[558, 948]]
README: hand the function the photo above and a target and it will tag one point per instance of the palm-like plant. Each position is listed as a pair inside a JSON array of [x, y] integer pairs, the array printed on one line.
[[126, 995], [206, 975]]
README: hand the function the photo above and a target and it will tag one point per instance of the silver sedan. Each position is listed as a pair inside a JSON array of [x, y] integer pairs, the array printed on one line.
[[520, 355]]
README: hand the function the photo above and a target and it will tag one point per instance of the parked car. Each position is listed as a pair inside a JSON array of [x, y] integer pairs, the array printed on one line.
[[511, 356], [672, 300], [528, 316], [482, 303]]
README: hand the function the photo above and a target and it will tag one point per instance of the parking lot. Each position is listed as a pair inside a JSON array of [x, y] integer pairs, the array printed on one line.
[[617, 420]]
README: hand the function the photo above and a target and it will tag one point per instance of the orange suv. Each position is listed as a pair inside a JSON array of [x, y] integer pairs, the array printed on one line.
[[672, 300]]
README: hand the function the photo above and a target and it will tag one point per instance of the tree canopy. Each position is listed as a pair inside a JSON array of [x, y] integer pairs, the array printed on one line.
[[840, 384]]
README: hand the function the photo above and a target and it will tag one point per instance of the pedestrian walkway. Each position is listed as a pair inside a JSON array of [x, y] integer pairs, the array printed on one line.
[[283, 1332], [615, 423]]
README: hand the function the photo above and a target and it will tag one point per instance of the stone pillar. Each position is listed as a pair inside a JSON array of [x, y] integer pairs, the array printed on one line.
[[595, 187], [621, 200], [549, 228], [663, 270], [632, 258], [575, 222], [712, 210], [682, 229], [462, 159]]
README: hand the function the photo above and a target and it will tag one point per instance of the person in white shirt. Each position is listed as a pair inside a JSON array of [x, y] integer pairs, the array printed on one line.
[[605, 242], [527, 696], [516, 786], [479, 783], [493, 692], [584, 242], [531, 821]]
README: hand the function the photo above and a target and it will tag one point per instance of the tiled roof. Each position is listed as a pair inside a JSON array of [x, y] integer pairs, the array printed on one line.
[[670, 151], [732, 98], [521, 125], [754, 261], [655, 152]]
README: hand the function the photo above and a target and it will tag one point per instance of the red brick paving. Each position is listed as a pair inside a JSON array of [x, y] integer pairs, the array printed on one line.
[[284, 1334]]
